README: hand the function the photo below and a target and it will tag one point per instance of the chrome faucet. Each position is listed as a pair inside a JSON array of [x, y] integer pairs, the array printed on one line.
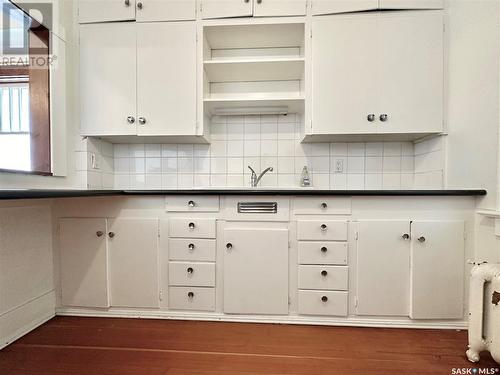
[[254, 179]]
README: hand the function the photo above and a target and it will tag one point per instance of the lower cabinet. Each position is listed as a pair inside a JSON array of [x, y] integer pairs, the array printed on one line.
[[413, 269], [256, 271], [109, 263]]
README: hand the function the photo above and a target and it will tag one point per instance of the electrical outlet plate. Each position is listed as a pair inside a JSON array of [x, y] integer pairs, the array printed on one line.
[[339, 166], [94, 161]]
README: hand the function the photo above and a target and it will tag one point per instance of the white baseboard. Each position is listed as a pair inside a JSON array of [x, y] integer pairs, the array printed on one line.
[[290, 319], [25, 318]]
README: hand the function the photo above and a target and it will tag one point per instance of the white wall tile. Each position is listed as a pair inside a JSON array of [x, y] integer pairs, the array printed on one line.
[[169, 181], [392, 149], [355, 149], [153, 181], [235, 148], [169, 151], [235, 165], [153, 165], [373, 181], [374, 164], [185, 150], [356, 164], [286, 147], [374, 149], [286, 165], [153, 151], [202, 165], [137, 151], [356, 181], [201, 151], [338, 149], [269, 148], [138, 165], [169, 165], [338, 181], [185, 165]]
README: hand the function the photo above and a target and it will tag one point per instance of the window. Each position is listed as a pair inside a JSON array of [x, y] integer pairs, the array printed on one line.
[[24, 95]]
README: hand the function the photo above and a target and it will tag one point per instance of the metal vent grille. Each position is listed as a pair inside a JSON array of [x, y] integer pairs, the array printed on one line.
[[257, 207]]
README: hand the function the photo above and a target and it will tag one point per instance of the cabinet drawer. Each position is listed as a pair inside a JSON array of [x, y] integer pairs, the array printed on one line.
[[321, 206], [323, 277], [191, 274], [326, 230], [192, 228], [192, 250], [315, 302], [323, 253], [184, 203], [192, 299]]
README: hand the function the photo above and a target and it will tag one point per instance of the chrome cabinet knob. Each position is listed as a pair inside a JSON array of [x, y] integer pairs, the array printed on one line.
[[191, 204], [421, 239], [324, 249], [371, 117], [406, 236], [323, 227], [127, 3], [131, 120], [324, 273], [324, 299], [259, 1], [190, 295], [142, 120], [191, 246], [99, 233], [229, 246], [324, 205], [140, 5], [191, 226], [111, 234], [384, 117], [190, 270]]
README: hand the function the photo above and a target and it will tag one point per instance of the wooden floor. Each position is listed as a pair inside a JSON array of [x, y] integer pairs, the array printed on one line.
[[90, 346]]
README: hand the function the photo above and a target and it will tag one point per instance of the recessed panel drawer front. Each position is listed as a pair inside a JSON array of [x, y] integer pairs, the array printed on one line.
[[323, 253], [186, 298], [325, 230], [192, 250], [183, 203], [323, 277], [192, 228], [321, 206], [314, 302], [191, 274]]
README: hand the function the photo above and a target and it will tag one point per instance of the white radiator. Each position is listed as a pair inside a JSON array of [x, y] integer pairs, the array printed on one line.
[[484, 315]]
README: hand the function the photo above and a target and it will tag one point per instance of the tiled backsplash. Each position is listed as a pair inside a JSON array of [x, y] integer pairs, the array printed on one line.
[[263, 141]]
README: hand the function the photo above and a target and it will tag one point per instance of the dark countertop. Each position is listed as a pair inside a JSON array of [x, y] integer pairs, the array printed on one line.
[[38, 194]]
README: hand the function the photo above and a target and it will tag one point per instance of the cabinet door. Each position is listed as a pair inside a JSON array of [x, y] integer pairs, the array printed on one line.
[[256, 271], [133, 265], [84, 262], [344, 66], [437, 270], [383, 271], [278, 8], [411, 4], [166, 78], [410, 77], [108, 79], [226, 8], [342, 6], [90, 11], [167, 10]]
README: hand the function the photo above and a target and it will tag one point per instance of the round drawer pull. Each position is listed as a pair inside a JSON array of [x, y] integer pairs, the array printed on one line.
[[99, 233], [191, 226], [229, 246], [324, 249], [324, 206], [190, 295], [323, 227], [405, 236], [191, 204], [324, 299], [191, 246], [111, 234], [421, 239], [324, 273], [190, 270]]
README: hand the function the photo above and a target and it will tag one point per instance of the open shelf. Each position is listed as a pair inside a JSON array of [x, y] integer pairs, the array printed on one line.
[[255, 69], [245, 105]]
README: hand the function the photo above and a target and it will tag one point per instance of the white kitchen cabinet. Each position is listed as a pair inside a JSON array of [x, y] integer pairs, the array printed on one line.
[[138, 79], [108, 79], [84, 262], [92, 11], [437, 270], [134, 263], [255, 271], [383, 263], [249, 8], [320, 7], [387, 80], [166, 78]]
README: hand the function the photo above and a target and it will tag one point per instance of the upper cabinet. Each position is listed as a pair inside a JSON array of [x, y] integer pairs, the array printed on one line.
[[387, 79], [127, 72], [347, 6], [91, 11], [249, 8]]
